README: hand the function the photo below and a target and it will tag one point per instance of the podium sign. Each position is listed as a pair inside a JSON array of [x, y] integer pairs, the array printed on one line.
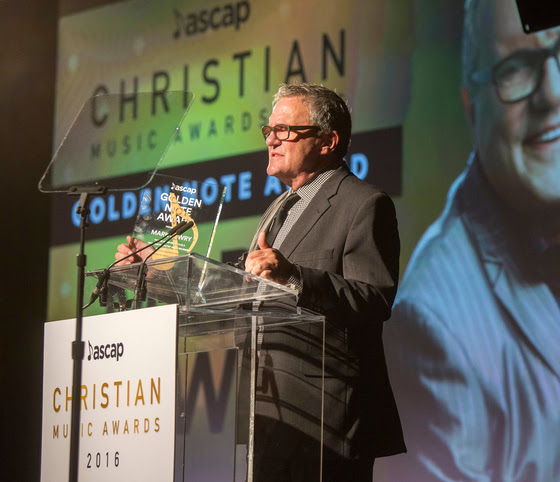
[[127, 398]]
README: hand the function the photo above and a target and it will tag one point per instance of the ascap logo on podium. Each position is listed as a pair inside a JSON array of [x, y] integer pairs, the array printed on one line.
[[106, 351]]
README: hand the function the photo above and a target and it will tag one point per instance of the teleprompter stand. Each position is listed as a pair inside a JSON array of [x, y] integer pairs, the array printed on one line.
[[85, 193], [78, 168]]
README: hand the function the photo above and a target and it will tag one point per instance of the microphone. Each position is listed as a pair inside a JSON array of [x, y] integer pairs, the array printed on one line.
[[100, 290], [140, 290], [180, 228]]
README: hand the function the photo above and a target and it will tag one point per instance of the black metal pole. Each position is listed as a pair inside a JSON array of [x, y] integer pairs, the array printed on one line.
[[78, 344]]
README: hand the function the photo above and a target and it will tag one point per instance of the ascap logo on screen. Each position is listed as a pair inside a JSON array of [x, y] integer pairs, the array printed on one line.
[[228, 15], [105, 351]]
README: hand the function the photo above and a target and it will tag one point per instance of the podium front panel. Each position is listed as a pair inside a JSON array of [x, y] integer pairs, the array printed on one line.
[[127, 407], [261, 415]]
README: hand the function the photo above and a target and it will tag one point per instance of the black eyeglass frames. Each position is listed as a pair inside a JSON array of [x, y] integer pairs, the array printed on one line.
[[519, 75], [282, 131]]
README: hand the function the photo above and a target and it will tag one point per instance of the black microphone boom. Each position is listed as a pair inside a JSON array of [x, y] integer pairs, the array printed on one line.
[[177, 227], [182, 227]]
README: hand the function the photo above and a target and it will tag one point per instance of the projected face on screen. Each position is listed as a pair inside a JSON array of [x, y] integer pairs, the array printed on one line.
[[516, 116], [472, 344]]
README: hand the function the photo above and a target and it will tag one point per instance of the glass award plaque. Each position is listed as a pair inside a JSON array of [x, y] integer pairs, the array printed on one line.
[[117, 141], [170, 200]]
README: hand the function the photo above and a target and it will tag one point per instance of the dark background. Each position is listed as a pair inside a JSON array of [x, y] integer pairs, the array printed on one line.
[[27, 62], [27, 81]]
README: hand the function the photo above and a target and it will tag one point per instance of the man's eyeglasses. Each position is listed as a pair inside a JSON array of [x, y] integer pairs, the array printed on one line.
[[282, 131], [520, 75]]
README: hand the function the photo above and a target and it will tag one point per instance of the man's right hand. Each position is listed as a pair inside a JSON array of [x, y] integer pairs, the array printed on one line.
[[132, 245]]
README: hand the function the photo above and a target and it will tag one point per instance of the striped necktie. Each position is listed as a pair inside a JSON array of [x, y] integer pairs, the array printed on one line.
[[280, 217]]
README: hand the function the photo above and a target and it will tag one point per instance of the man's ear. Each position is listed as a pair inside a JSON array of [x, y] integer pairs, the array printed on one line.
[[330, 141], [468, 107]]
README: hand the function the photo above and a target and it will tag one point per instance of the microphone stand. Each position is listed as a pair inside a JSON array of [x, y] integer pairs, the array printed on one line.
[[78, 345]]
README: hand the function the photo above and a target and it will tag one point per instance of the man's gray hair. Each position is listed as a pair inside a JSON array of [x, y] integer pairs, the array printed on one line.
[[327, 110]]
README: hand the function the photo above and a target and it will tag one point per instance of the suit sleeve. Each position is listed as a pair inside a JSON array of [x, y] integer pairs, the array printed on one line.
[[365, 289]]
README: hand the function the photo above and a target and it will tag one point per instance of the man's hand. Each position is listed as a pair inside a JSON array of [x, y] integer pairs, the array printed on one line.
[[132, 245], [268, 263]]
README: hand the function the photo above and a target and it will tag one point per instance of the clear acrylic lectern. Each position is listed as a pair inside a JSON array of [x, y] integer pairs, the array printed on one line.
[[250, 373]]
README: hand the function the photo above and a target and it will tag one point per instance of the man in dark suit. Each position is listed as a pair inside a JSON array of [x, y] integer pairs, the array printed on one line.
[[337, 244], [339, 247]]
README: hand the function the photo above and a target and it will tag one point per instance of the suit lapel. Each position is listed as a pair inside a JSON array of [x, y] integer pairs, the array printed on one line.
[[530, 303], [320, 203], [266, 219]]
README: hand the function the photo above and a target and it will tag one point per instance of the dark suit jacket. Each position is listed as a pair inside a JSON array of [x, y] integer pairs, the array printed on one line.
[[347, 246]]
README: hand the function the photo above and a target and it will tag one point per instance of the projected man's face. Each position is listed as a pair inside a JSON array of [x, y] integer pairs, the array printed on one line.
[[519, 142]]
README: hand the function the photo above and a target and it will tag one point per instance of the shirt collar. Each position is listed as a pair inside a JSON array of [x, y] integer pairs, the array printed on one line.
[[310, 188]]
